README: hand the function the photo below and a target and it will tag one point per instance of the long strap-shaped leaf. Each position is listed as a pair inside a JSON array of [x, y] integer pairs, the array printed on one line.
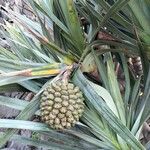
[[57, 140], [115, 8], [19, 124], [25, 114], [94, 99], [73, 24], [114, 89], [31, 73]]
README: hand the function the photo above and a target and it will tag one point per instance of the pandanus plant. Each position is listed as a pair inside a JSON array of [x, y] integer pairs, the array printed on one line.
[[59, 46]]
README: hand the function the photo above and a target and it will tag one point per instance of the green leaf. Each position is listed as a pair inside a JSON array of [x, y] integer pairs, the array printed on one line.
[[12, 88], [14, 64], [115, 8], [8, 54], [133, 103], [73, 24], [21, 104], [15, 79], [115, 90], [99, 127], [13, 102], [145, 100], [105, 95], [41, 127], [138, 13], [46, 8], [30, 85], [20, 124], [94, 99], [127, 78], [127, 47], [147, 146], [117, 16], [93, 13], [91, 140], [48, 70], [54, 141], [101, 69], [25, 114]]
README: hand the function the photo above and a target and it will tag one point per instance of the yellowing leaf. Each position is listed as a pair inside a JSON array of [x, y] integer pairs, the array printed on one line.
[[46, 72]]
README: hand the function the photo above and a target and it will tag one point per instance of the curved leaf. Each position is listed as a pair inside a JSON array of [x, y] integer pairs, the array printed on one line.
[[92, 98], [25, 114], [106, 96]]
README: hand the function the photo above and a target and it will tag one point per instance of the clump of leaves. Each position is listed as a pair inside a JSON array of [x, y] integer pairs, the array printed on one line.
[[42, 51]]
